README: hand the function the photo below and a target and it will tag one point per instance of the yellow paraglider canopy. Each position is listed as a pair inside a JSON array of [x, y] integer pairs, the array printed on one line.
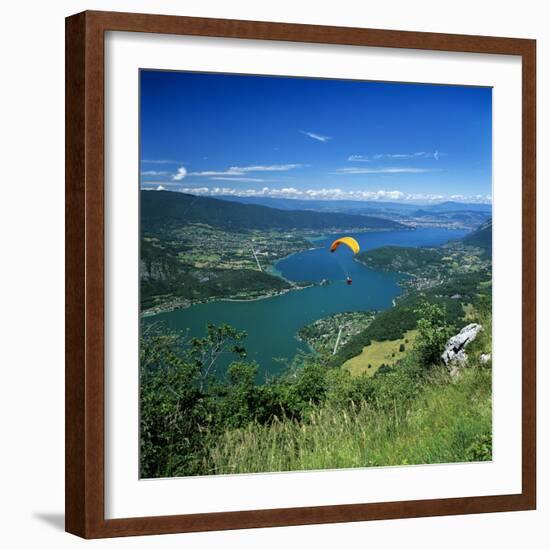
[[349, 241]]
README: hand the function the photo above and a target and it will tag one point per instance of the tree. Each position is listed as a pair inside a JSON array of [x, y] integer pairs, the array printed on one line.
[[206, 351], [239, 405], [433, 333], [176, 409], [171, 408]]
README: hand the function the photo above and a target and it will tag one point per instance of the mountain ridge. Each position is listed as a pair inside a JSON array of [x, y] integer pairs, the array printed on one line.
[[348, 205], [482, 237], [159, 208]]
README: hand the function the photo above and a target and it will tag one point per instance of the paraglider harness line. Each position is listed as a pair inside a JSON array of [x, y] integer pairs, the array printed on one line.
[[353, 244]]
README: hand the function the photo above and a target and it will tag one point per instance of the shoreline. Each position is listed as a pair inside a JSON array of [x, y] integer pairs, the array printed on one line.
[[187, 304], [272, 270], [265, 296]]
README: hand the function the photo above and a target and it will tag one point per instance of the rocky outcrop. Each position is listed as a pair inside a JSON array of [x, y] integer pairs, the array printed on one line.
[[454, 355]]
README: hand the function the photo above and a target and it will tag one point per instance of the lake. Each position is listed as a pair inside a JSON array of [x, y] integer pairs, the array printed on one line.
[[271, 324]]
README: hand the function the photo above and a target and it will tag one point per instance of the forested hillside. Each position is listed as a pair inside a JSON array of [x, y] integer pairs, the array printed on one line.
[[482, 237], [399, 258], [454, 276], [164, 208], [198, 248]]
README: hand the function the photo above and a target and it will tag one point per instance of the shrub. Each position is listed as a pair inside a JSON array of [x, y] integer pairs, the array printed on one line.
[[481, 448], [433, 333]]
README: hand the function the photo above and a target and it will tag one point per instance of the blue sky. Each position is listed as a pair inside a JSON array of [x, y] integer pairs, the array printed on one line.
[[217, 134]]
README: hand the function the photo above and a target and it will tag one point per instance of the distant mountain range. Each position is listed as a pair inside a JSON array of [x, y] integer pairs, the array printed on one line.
[[164, 208], [322, 205], [467, 218], [451, 206], [359, 206]]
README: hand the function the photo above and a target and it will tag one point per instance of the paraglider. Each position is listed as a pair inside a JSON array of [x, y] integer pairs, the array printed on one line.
[[349, 241], [352, 244]]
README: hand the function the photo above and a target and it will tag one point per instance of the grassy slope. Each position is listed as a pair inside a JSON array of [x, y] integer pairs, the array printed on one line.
[[448, 422], [377, 353]]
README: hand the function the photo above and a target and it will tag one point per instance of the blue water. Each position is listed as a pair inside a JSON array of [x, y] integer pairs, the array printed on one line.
[[271, 324]]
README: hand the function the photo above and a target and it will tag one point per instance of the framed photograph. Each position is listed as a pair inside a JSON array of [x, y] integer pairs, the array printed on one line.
[[286, 303]]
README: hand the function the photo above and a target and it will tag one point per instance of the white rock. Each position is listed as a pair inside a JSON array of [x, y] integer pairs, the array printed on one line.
[[484, 358], [454, 355]]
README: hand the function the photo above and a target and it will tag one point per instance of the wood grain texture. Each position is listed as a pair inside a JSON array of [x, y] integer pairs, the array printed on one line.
[[84, 392], [75, 333], [529, 276]]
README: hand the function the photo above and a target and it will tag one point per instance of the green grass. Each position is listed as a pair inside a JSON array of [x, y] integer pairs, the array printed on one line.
[[378, 353], [448, 422], [469, 311]]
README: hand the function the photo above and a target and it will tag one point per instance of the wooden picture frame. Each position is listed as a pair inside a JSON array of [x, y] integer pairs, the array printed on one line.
[[85, 475]]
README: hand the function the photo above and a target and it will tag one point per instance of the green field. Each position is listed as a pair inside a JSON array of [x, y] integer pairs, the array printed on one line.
[[379, 353]]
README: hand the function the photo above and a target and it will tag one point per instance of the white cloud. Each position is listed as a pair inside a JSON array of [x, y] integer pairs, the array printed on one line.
[[391, 195], [359, 158], [214, 173], [334, 194], [426, 197], [470, 198], [180, 174], [154, 173], [165, 183], [157, 188], [241, 170], [271, 168], [195, 190], [398, 156], [228, 178], [392, 170], [318, 137]]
